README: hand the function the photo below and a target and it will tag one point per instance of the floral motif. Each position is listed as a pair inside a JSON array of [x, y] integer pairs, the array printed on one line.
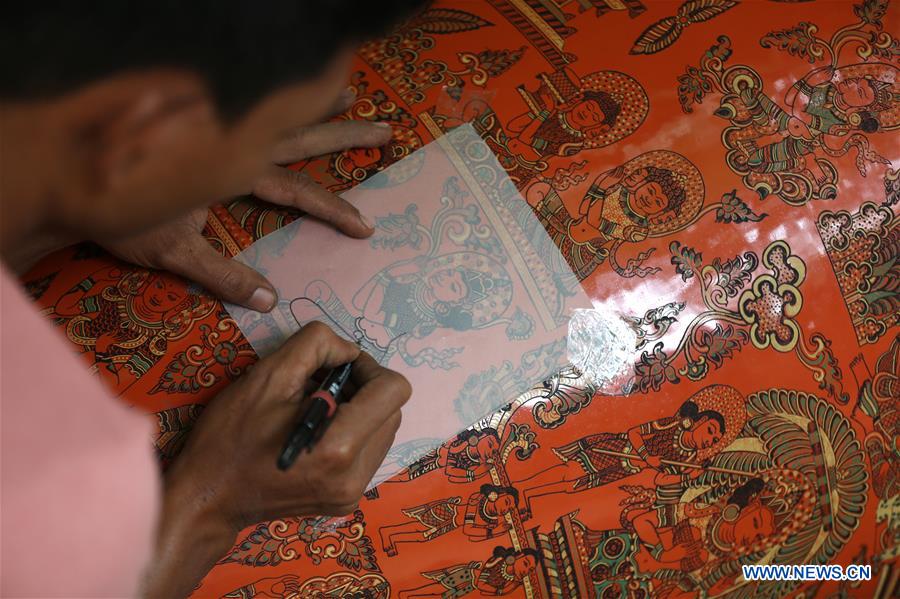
[[733, 209], [653, 370], [694, 84], [398, 230], [770, 306], [221, 356], [564, 393], [863, 248], [770, 309], [687, 260], [666, 31], [798, 40], [722, 342], [343, 540], [731, 275]]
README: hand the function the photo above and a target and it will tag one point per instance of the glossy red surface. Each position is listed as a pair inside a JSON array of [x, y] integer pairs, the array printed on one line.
[[742, 160]]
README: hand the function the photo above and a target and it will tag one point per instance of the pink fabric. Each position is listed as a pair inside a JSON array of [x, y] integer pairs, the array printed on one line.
[[80, 489]]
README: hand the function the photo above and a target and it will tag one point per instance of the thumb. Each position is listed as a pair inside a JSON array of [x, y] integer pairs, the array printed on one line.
[[228, 280]]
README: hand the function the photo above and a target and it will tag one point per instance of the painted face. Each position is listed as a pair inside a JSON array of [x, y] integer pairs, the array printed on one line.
[[755, 523], [448, 285], [706, 433], [524, 565], [160, 295], [363, 157], [857, 92], [488, 445], [649, 199], [586, 114]]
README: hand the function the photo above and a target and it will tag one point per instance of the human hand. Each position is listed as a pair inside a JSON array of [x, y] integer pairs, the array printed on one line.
[[226, 478], [179, 246], [246, 425]]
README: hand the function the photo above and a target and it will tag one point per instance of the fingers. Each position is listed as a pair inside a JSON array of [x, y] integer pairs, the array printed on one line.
[[365, 464], [313, 347], [193, 258], [377, 449], [325, 138], [289, 188], [344, 101], [381, 393]]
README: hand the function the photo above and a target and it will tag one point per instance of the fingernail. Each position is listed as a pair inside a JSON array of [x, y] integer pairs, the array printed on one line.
[[262, 300], [365, 221]]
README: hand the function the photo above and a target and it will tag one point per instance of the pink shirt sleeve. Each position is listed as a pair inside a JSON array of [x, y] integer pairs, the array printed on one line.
[[79, 486]]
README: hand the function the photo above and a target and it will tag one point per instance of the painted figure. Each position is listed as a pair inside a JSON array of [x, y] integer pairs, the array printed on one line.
[[413, 298], [127, 320], [568, 113], [467, 458], [483, 518], [877, 400], [358, 164], [675, 446], [459, 291], [828, 109], [683, 551], [338, 585], [501, 574], [651, 195]]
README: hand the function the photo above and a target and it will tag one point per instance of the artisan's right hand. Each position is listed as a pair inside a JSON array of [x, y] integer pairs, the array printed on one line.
[[226, 477]]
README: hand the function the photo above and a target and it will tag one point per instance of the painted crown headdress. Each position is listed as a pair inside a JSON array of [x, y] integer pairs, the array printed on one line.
[[480, 285]]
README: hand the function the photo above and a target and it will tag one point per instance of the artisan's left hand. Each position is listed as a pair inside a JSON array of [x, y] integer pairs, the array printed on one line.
[[179, 246]]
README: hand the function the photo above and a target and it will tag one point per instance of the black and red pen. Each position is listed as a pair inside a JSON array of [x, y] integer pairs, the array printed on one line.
[[323, 404]]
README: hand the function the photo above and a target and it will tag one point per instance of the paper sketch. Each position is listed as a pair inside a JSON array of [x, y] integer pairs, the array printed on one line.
[[455, 281]]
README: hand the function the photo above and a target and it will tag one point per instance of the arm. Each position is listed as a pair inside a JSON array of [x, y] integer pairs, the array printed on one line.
[[406, 267], [585, 205], [536, 193], [455, 474], [205, 505], [645, 525], [526, 135], [636, 440], [477, 531], [471, 528], [819, 76], [361, 298], [71, 304], [816, 77], [670, 479], [490, 590], [692, 511]]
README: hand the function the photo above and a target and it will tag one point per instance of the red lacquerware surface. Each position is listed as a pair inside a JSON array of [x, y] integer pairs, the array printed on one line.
[[738, 158]]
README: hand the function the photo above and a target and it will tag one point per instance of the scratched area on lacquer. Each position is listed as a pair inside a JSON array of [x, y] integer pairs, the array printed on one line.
[[459, 285]]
